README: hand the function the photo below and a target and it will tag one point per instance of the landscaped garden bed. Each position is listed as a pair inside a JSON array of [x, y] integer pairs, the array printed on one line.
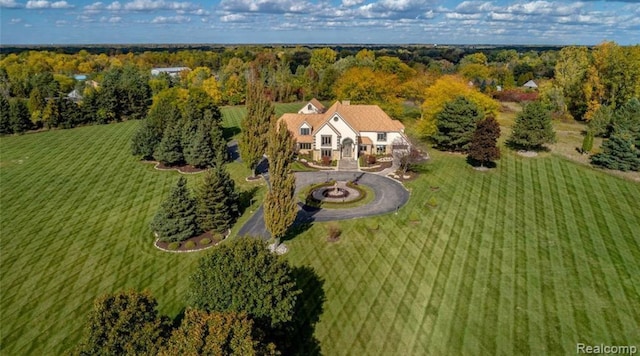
[[195, 243]]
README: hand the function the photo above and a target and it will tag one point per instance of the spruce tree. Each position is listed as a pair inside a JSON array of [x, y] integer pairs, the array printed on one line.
[[456, 123], [198, 146], [483, 147], [219, 144], [176, 220], [145, 140], [280, 203], [5, 117], [255, 126], [618, 152], [533, 127], [19, 116], [169, 151], [217, 200]]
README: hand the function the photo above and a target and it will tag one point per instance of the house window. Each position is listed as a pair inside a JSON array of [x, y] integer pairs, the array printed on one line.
[[325, 152], [325, 140], [304, 146], [382, 136], [381, 149], [335, 119], [362, 148], [305, 131], [309, 107]]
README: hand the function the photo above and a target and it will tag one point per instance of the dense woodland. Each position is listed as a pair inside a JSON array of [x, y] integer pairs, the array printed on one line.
[[409, 83]]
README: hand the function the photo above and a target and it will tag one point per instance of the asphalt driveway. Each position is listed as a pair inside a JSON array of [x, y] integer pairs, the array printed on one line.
[[390, 196]]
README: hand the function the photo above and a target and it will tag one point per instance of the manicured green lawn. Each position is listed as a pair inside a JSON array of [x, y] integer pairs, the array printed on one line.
[[530, 258]]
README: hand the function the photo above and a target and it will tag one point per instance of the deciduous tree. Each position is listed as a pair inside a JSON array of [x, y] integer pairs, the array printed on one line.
[[484, 142], [227, 333], [176, 220], [124, 323], [280, 206], [444, 90], [243, 276], [255, 126]]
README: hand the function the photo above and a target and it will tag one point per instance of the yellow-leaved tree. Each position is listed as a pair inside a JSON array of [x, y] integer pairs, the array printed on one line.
[[444, 90], [361, 85]]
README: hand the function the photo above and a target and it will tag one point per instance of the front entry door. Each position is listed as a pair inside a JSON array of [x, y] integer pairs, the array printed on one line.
[[347, 148]]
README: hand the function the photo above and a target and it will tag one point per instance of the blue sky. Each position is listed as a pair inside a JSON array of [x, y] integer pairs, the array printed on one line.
[[320, 21]]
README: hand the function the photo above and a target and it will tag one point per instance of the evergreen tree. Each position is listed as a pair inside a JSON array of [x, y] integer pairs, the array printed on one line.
[[483, 147], [255, 126], [587, 142], [145, 140], [626, 120], [217, 200], [5, 116], [533, 127], [456, 123], [19, 116], [176, 220], [280, 206], [219, 144], [169, 151], [618, 152]]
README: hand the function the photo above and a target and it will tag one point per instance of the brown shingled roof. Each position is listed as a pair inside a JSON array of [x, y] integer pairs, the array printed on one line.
[[360, 117], [317, 104]]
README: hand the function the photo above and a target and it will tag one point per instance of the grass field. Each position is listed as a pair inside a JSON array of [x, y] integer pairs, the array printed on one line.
[[530, 258]]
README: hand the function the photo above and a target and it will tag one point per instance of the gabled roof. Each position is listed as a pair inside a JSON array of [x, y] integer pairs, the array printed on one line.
[[367, 118], [530, 84], [317, 104]]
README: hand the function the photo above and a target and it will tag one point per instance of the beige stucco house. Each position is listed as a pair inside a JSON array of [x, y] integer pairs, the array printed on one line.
[[343, 131]]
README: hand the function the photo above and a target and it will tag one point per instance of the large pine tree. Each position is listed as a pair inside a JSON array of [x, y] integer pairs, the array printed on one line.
[[483, 147], [5, 117], [169, 151], [19, 116], [145, 140], [198, 146], [176, 220], [618, 152], [255, 127], [533, 127], [456, 123], [217, 200], [280, 204]]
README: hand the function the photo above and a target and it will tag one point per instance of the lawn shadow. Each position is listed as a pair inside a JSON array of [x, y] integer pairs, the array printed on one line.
[[228, 132], [476, 163], [300, 339], [303, 222], [245, 199]]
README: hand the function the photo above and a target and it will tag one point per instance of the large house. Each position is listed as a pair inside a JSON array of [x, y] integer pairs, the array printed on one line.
[[344, 131]]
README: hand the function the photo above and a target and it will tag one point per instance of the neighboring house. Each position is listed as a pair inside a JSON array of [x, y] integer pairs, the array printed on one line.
[[530, 85], [75, 96], [172, 71], [343, 131]]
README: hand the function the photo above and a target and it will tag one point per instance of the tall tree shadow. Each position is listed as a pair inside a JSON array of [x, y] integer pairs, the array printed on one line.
[[298, 335], [245, 198]]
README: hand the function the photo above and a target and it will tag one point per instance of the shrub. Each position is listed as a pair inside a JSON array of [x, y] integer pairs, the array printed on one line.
[[174, 246], [433, 202], [190, 245], [333, 233], [371, 159], [516, 95], [326, 160], [205, 241]]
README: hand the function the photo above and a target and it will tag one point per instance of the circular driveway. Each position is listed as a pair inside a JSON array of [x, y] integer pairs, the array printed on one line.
[[390, 196]]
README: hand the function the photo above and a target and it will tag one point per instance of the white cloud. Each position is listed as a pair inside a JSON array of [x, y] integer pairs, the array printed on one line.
[[10, 4], [269, 6], [15, 21], [44, 4], [170, 19], [349, 3], [233, 18], [148, 5]]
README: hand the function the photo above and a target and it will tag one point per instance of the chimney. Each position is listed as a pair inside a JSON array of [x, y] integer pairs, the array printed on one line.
[[346, 102]]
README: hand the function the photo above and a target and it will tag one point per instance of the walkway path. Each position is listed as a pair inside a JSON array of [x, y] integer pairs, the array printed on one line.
[[390, 196]]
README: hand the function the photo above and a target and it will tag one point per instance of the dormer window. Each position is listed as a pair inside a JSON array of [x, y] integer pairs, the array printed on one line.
[[309, 107], [382, 136], [305, 131]]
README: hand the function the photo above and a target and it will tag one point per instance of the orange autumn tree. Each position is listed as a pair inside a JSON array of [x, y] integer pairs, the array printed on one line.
[[446, 89]]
